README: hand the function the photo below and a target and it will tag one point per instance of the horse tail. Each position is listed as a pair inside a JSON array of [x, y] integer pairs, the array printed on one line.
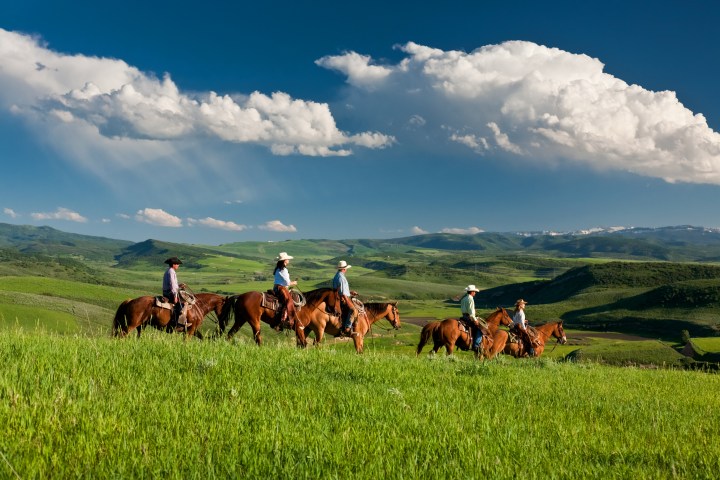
[[425, 336], [119, 321], [226, 312]]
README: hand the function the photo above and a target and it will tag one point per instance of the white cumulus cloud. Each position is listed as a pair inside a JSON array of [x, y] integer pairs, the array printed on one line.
[[159, 217], [60, 214], [10, 212], [418, 231], [357, 68], [120, 102], [277, 226], [219, 224], [537, 104]]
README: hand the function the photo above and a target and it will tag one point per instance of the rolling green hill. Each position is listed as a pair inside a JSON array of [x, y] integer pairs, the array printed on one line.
[[49, 241], [427, 273]]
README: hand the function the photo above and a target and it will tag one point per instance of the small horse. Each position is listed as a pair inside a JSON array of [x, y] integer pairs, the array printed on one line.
[[136, 313], [247, 308], [448, 333], [517, 349], [374, 311]]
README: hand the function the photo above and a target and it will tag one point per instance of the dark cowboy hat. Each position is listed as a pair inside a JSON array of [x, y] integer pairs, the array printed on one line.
[[173, 261]]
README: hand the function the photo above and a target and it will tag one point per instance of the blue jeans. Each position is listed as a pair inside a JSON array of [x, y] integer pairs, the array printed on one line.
[[477, 337]]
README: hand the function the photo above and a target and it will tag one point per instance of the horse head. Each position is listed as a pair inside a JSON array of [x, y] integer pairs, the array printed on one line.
[[559, 333], [504, 317], [505, 320], [394, 315], [329, 296]]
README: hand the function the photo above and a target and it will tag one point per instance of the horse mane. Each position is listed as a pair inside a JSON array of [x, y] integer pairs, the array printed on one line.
[[376, 307]]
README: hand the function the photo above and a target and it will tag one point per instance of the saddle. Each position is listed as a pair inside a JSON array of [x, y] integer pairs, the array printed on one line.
[[514, 336], [271, 301], [163, 302], [465, 324]]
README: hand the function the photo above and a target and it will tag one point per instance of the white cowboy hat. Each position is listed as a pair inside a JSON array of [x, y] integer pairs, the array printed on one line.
[[471, 288], [521, 301], [284, 256], [343, 264]]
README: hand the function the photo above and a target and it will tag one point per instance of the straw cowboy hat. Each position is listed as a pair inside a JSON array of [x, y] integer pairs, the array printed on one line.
[[471, 288], [343, 264], [173, 261], [283, 256], [520, 302]]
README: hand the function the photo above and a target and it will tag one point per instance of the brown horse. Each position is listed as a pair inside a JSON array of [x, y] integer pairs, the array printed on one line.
[[517, 349], [247, 308], [448, 333], [374, 311], [137, 312]]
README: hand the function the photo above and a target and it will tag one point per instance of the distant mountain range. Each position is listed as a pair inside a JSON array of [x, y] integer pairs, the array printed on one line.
[[674, 243]]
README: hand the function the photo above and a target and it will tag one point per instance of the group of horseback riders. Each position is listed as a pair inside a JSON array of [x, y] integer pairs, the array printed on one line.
[[282, 285], [281, 288], [479, 328], [288, 315]]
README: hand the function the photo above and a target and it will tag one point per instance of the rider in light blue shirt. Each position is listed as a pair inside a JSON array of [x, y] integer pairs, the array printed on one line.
[[340, 283]]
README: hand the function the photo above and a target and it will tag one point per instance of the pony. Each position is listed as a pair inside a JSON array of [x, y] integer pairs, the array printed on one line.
[[374, 311], [448, 333], [136, 313], [247, 308], [516, 349]]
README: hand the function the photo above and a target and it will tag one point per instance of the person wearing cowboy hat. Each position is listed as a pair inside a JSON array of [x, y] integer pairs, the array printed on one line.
[[281, 288], [347, 308], [467, 308], [171, 291], [520, 326]]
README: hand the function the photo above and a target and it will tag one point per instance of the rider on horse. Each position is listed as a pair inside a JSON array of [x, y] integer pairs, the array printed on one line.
[[477, 325], [281, 290], [171, 291], [340, 283], [520, 326]]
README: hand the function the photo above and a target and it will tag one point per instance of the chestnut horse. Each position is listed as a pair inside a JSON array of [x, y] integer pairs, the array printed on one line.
[[137, 312], [247, 308], [517, 349], [448, 333], [374, 311]]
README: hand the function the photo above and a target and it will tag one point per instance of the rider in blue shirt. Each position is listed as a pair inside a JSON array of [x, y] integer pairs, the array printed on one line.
[[340, 283]]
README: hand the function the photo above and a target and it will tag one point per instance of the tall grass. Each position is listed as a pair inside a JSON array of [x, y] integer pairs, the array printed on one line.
[[162, 407]]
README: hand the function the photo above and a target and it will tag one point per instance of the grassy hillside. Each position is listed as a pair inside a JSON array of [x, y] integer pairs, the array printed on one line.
[[100, 408], [51, 242]]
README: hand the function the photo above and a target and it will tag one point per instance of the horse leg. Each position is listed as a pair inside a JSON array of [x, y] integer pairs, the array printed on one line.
[[319, 334], [359, 336], [424, 336], [255, 325], [239, 322], [301, 340], [359, 343]]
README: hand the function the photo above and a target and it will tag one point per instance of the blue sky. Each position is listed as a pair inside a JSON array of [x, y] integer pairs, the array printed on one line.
[[218, 122]]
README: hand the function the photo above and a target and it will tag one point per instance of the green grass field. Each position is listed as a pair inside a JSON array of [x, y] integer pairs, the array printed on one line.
[[73, 406]]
